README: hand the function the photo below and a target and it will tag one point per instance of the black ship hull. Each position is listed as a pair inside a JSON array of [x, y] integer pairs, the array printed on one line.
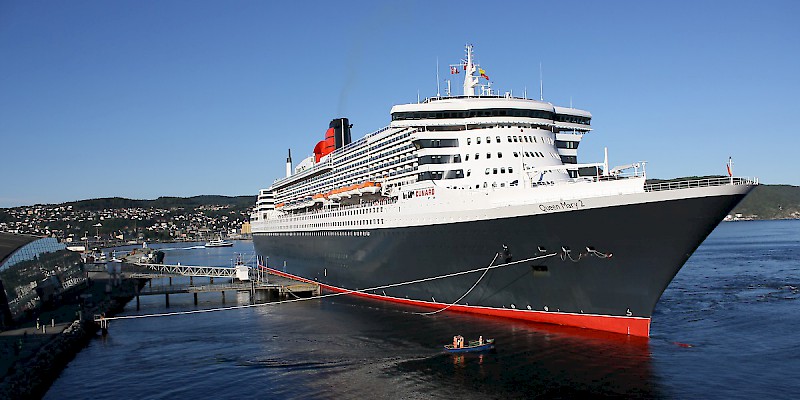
[[602, 268]]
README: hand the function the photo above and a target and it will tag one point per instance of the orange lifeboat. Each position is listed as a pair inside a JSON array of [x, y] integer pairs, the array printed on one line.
[[335, 194], [370, 187]]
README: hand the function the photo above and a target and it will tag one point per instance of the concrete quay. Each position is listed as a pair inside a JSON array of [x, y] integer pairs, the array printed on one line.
[[34, 354]]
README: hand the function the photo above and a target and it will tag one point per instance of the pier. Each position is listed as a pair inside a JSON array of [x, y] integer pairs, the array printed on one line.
[[261, 286]]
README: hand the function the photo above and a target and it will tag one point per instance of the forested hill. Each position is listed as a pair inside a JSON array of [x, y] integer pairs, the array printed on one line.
[[235, 202], [771, 202], [764, 202]]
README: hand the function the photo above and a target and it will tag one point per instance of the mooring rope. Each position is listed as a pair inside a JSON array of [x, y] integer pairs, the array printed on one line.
[[237, 307], [465, 294]]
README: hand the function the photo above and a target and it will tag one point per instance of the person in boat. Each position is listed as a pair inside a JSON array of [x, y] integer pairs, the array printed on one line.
[[480, 340]]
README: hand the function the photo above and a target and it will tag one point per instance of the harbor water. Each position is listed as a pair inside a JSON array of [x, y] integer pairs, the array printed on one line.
[[726, 327]]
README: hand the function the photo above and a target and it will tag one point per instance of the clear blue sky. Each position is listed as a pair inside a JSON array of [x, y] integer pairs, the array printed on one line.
[[148, 98]]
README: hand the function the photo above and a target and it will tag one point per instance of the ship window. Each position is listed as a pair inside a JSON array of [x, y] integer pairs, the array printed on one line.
[[488, 139], [509, 139], [469, 172], [494, 171], [516, 139], [477, 156], [502, 170], [478, 140], [488, 155], [485, 185], [455, 174], [534, 139], [466, 157], [516, 154], [499, 155], [469, 141], [498, 139], [502, 184], [510, 170], [487, 171]]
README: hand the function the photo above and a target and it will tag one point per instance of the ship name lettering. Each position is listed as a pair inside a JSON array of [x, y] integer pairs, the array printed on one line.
[[564, 205]]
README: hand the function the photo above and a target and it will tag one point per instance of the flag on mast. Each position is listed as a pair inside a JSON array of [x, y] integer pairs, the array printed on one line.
[[730, 166]]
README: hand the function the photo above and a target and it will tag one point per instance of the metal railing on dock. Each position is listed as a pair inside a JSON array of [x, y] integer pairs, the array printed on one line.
[[261, 286]]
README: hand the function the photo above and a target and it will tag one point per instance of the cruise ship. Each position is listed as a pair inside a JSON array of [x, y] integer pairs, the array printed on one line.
[[477, 203]]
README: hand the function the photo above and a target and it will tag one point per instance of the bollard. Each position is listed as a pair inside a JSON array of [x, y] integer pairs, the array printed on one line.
[[53, 322], [223, 297], [195, 298], [167, 300]]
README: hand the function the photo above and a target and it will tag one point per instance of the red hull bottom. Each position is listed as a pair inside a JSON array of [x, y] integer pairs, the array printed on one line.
[[633, 326]]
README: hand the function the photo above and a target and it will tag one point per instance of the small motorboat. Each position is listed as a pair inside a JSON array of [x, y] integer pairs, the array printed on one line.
[[458, 345], [218, 243]]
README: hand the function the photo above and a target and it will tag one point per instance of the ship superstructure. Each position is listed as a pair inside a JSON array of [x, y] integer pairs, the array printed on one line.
[[455, 182]]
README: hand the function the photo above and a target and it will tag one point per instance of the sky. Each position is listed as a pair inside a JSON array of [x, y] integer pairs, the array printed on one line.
[[142, 99]]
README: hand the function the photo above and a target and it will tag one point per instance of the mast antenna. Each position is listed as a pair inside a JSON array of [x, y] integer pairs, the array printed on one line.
[[541, 83], [437, 78]]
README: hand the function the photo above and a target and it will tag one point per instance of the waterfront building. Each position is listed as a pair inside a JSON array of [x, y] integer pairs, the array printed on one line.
[[34, 271]]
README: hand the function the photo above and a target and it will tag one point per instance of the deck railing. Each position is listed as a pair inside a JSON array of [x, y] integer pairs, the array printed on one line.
[[698, 183]]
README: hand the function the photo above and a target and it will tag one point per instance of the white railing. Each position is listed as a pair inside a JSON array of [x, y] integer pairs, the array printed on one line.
[[698, 183]]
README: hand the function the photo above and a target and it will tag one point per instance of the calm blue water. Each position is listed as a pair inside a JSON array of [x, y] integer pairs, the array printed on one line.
[[727, 327]]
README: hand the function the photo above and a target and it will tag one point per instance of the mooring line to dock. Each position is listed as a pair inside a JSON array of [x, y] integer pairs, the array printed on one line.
[[465, 293], [484, 269]]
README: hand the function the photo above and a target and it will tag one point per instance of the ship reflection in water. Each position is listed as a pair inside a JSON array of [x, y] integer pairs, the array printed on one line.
[[530, 360]]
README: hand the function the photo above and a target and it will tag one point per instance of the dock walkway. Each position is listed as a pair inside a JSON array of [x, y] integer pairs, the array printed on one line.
[[261, 285]]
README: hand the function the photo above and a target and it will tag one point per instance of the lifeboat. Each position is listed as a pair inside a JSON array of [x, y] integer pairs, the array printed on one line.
[[370, 187], [280, 205], [319, 198], [349, 191], [335, 194]]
